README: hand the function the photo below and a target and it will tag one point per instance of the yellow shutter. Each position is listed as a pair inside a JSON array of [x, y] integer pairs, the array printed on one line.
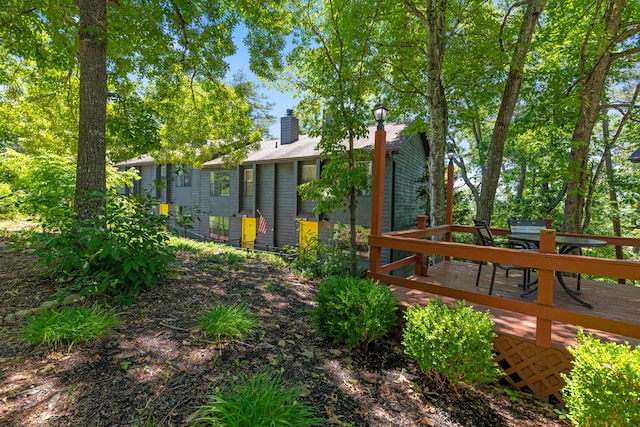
[[308, 233]]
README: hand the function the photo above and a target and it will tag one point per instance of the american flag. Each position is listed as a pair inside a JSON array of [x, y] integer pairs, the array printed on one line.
[[262, 224]]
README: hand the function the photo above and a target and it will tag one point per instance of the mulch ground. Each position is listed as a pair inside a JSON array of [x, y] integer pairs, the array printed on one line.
[[156, 369]]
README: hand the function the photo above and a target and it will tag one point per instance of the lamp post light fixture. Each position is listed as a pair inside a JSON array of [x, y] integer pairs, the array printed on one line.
[[380, 114], [635, 157], [450, 156]]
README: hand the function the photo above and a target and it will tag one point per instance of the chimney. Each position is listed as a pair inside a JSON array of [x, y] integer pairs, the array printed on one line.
[[288, 128]]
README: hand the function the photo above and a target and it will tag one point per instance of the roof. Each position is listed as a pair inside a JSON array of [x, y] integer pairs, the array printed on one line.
[[145, 159], [272, 150]]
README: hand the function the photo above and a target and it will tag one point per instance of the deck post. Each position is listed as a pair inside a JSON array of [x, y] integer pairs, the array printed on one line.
[[545, 289], [377, 193], [421, 269]]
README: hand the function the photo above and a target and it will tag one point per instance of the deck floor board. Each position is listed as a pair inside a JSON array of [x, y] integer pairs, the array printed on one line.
[[610, 300]]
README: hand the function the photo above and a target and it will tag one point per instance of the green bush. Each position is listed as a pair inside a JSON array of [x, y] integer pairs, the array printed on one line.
[[264, 400], [451, 345], [122, 253], [603, 388], [354, 311], [229, 321], [324, 259], [68, 326]]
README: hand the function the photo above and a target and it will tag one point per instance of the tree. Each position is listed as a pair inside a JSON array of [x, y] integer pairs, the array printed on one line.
[[181, 38], [507, 107], [91, 178], [329, 67], [604, 42], [259, 103]]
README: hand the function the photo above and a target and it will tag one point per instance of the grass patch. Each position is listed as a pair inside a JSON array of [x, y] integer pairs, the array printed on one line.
[[229, 321], [264, 399], [68, 326], [224, 254]]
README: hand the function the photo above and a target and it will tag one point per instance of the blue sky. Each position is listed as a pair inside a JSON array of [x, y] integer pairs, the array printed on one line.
[[282, 100]]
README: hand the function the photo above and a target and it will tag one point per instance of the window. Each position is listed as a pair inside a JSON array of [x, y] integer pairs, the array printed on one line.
[[219, 227], [219, 183], [308, 173], [248, 182], [184, 177]]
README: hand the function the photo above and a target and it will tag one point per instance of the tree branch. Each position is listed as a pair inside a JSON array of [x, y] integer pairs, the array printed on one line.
[[24, 12]]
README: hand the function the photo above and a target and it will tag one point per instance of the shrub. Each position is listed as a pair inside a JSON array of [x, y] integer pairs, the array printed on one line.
[[603, 388], [230, 321], [451, 345], [68, 326], [324, 259], [354, 311], [122, 253], [264, 400]]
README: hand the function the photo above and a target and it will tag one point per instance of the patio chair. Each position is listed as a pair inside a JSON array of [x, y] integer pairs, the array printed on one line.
[[486, 237]]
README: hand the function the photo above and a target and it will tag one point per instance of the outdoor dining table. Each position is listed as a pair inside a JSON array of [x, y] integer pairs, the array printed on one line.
[[566, 244]]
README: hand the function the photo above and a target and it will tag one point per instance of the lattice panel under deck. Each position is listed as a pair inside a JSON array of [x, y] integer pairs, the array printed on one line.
[[532, 368]]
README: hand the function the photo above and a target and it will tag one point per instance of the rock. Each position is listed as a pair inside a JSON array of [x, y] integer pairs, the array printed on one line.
[[21, 314], [47, 305], [71, 299], [10, 318]]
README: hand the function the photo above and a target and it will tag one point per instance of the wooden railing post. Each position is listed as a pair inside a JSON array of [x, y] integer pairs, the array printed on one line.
[[545, 289], [377, 195], [421, 269]]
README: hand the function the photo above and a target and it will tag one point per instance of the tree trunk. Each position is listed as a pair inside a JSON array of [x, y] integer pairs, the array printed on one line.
[[507, 106], [353, 244], [91, 166], [591, 84], [437, 103]]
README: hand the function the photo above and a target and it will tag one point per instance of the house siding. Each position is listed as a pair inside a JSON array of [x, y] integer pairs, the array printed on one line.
[[265, 201], [286, 228], [235, 222], [409, 170], [408, 167], [202, 202]]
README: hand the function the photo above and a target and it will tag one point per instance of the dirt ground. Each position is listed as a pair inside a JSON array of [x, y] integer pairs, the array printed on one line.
[[156, 369]]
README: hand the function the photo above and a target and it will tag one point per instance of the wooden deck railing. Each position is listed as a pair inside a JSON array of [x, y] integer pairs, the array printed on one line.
[[546, 261]]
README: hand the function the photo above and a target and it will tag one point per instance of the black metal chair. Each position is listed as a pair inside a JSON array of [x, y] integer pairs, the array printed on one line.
[[486, 237]]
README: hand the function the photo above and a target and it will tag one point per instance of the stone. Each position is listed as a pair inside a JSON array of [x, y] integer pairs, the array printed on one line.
[[71, 299], [10, 318], [21, 314], [47, 305]]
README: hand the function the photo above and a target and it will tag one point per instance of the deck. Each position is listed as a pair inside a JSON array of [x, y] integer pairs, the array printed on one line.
[[610, 300]]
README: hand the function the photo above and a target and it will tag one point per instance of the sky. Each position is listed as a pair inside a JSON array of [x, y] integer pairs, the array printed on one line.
[[282, 100]]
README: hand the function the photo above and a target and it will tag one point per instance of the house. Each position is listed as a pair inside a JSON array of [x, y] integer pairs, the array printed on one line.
[[229, 202]]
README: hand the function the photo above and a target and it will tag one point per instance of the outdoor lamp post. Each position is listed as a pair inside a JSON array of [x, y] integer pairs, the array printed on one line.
[[377, 201], [380, 114]]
